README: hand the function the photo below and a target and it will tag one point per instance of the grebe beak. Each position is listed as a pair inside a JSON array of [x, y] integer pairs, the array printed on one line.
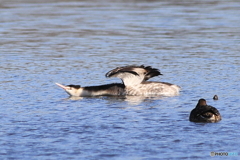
[[62, 86]]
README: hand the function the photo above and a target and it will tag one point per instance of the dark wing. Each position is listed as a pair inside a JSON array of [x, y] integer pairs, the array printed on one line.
[[151, 72], [215, 111], [116, 71], [203, 113], [205, 109], [132, 75]]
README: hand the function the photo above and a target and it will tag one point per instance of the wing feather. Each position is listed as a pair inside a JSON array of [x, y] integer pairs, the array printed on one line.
[[133, 75]]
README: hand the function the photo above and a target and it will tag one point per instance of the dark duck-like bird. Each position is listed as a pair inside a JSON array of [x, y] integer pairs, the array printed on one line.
[[215, 97], [204, 113], [134, 82]]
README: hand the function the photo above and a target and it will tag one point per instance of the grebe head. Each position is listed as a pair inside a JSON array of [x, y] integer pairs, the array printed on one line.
[[72, 90]]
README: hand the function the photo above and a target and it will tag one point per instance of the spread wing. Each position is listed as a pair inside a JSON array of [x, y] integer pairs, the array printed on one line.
[[133, 75]]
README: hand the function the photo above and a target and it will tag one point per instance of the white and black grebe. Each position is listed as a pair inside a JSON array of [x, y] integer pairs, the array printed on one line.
[[134, 83]]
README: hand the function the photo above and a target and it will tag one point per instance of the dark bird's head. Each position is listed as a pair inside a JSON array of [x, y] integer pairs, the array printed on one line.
[[215, 97], [72, 90], [201, 102]]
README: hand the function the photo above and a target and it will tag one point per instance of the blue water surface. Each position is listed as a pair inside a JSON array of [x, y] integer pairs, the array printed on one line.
[[194, 44]]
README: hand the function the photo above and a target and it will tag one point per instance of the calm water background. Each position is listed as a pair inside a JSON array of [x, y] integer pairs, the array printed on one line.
[[195, 44]]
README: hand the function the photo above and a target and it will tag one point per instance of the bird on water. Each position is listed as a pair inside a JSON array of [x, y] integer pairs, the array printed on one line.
[[134, 83], [204, 113], [215, 97]]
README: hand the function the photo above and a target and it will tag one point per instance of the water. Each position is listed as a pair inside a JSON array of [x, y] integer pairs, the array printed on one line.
[[194, 44]]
